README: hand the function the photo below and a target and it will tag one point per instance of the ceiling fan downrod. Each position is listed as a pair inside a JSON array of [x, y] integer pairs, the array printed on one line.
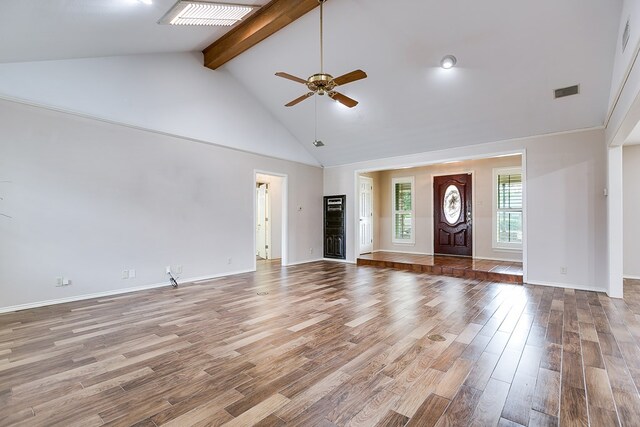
[[321, 36], [322, 83]]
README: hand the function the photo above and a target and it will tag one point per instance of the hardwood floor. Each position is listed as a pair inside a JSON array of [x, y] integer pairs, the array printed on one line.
[[330, 344], [454, 266]]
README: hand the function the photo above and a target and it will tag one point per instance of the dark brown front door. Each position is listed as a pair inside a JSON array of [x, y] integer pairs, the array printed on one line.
[[452, 215]]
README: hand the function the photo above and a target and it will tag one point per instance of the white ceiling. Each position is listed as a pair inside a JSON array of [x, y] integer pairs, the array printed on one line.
[[35, 30], [511, 55], [634, 136]]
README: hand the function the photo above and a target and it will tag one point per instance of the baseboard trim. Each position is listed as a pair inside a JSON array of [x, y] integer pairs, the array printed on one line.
[[38, 304], [402, 252], [631, 277], [496, 259], [303, 262], [563, 285], [342, 261]]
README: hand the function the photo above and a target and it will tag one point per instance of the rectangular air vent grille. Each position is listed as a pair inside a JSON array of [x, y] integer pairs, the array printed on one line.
[[625, 35], [566, 91], [187, 12]]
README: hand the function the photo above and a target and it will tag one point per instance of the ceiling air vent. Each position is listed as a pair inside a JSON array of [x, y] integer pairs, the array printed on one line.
[[566, 91], [206, 13]]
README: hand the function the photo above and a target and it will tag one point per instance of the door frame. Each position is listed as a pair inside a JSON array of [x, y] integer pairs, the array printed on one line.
[[473, 210], [285, 215], [372, 216], [267, 223], [397, 164]]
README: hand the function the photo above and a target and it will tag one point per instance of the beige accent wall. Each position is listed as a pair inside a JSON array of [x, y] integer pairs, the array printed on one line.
[[482, 171]]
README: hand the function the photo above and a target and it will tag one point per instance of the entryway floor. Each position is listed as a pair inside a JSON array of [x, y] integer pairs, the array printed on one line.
[[481, 269]]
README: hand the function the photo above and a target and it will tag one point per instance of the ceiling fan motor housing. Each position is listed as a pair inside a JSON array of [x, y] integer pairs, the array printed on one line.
[[321, 83]]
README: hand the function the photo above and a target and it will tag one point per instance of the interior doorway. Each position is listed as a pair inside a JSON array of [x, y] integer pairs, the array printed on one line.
[[263, 229], [269, 217], [452, 215], [492, 208]]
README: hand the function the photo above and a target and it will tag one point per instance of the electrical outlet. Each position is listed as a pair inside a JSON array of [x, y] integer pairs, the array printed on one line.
[[66, 282], [229, 260], [58, 281], [125, 274], [310, 250], [132, 273], [563, 270], [178, 269], [168, 269]]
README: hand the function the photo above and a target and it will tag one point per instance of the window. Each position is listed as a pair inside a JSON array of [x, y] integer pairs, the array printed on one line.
[[507, 218], [403, 210]]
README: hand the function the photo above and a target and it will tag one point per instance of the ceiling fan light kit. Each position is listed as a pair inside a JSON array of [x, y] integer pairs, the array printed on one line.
[[323, 83]]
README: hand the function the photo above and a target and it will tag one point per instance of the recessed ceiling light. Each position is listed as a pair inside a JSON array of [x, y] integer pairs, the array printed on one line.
[[448, 62], [205, 13]]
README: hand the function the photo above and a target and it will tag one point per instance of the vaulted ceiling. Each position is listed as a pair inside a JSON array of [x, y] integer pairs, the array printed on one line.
[[511, 55]]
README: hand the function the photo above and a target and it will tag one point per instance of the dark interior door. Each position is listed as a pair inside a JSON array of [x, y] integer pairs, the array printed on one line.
[[334, 227], [452, 215]]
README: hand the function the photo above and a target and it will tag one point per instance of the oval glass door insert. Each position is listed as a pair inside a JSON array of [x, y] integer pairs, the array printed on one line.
[[452, 204]]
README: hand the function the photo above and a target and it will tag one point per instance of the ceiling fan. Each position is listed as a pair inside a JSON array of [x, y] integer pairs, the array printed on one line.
[[323, 83]]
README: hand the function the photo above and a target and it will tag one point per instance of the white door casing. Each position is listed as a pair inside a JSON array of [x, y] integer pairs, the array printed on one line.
[[261, 220]]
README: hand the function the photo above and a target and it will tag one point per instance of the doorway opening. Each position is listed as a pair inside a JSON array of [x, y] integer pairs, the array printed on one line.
[[630, 212], [270, 213], [263, 226], [466, 215]]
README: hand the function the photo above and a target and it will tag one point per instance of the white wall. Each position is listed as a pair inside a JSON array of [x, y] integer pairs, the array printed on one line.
[[622, 60], [624, 106], [566, 176], [89, 199], [482, 205], [171, 93], [631, 197]]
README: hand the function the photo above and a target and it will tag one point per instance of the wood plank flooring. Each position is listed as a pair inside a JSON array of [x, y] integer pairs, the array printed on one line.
[[330, 345]]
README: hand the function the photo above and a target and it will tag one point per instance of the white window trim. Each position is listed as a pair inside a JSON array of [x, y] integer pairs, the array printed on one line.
[[402, 180], [507, 247]]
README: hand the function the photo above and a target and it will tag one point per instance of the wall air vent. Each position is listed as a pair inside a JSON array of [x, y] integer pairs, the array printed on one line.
[[625, 35], [566, 91], [206, 13]]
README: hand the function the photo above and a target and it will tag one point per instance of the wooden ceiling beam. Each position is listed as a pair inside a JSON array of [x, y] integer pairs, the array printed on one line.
[[268, 20]]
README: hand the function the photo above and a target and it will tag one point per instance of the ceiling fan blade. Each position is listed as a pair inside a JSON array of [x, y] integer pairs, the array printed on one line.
[[299, 99], [290, 77], [343, 99], [350, 77]]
